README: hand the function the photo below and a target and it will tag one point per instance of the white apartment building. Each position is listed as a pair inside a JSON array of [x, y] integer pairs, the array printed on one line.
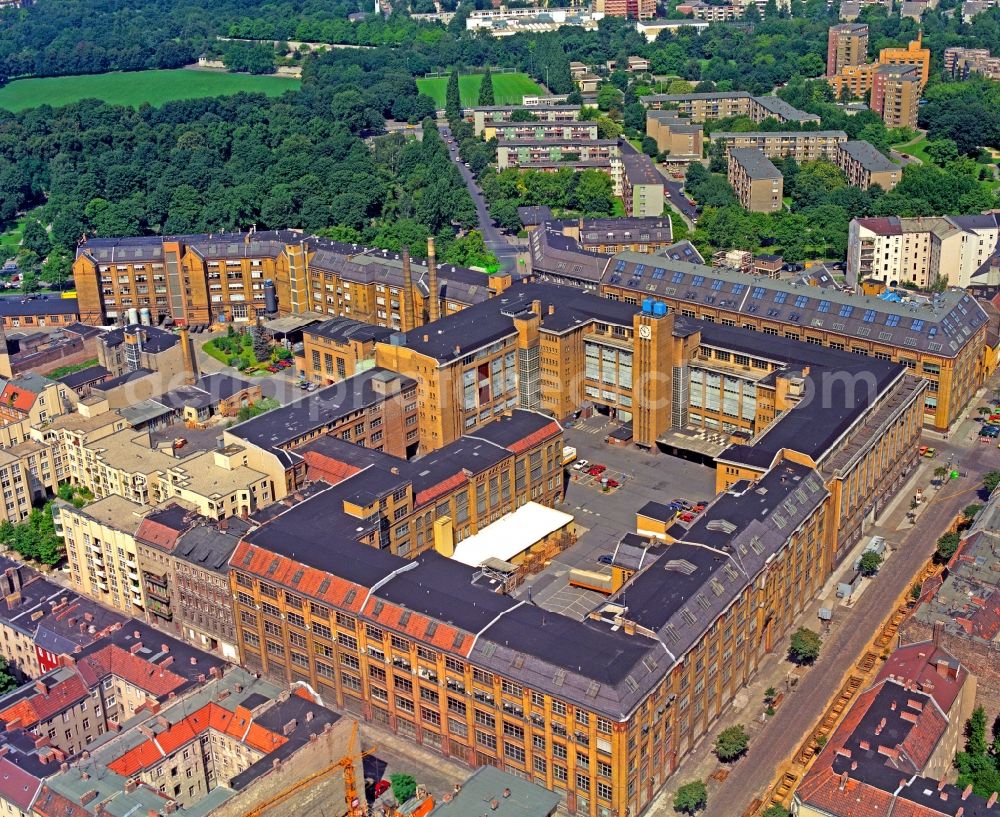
[[920, 251]]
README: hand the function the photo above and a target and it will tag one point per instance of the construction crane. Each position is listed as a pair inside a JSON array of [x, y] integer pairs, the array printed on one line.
[[354, 804]]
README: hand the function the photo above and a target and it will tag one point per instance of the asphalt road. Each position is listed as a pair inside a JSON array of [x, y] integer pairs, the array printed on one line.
[[673, 187], [784, 732], [495, 240]]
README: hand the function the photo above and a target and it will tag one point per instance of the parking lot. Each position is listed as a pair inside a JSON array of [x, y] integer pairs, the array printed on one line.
[[603, 516], [643, 477]]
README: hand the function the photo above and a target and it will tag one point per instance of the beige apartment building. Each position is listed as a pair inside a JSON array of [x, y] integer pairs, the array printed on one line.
[[540, 130], [803, 146], [847, 44], [675, 135], [702, 107], [483, 117], [865, 166], [920, 251], [101, 551], [962, 63], [896, 95], [758, 184], [642, 187]]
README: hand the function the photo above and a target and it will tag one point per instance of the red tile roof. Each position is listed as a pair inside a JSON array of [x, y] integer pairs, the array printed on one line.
[[255, 560], [444, 636], [327, 468], [17, 398], [41, 706], [51, 804], [155, 533], [928, 666], [238, 725], [440, 489], [535, 438], [155, 679]]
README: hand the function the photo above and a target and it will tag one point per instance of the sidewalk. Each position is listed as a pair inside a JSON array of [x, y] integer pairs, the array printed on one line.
[[774, 670]]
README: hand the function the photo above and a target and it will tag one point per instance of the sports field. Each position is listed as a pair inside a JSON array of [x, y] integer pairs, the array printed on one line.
[[134, 88], [508, 89]]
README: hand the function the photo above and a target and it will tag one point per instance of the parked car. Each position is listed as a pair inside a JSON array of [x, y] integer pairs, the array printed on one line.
[[606, 559], [930, 453], [683, 503], [687, 516], [612, 483], [597, 469], [579, 465], [381, 787]]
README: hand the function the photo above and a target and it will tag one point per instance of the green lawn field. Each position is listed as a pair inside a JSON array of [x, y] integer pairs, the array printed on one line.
[[154, 87], [508, 89]]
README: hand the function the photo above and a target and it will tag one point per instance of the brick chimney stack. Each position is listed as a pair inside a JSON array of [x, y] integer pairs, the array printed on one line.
[[433, 292]]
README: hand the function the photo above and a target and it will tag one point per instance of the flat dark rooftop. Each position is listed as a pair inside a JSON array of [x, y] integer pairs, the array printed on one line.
[[460, 333], [278, 427], [154, 339], [122, 379], [507, 430], [91, 374], [342, 330], [657, 510], [309, 718], [17, 305]]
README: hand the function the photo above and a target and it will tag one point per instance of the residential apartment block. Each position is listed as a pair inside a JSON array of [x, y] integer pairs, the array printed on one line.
[[962, 63], [702, 107], [675, 135], [896, 746], [130, 348], [896, 95], [550, 155], [642, 186], [803, 146], [634, 9], [101, 551], [758, 184], [847, 44], [489, 116], [182, 560], [569, 131], [920, 251], [865, 166], [956, 608]]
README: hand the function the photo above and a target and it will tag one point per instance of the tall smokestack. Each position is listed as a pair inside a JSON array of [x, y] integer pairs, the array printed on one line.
[[434, 294], [408, 323], [187, 356]]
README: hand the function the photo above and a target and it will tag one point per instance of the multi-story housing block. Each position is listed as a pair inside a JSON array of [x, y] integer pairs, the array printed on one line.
[[513, 131], [920, 251], [492, 115], [847, 44], [961, 63], [896, 95], [803, 146], [895, 748], [553, 154], [642, 186], [222, 749], [182, 559], [702, 107], [675, 135], [101, 551], [755, 180], [634, 9], [865, 166]]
